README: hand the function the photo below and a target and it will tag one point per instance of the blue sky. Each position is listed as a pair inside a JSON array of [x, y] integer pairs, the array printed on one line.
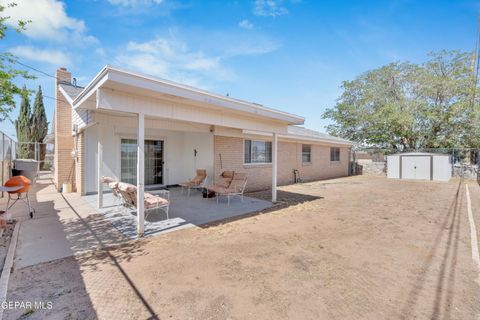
[[287, 54]]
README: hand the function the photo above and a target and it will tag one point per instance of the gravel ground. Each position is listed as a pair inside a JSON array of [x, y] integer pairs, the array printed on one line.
[[350, 248]]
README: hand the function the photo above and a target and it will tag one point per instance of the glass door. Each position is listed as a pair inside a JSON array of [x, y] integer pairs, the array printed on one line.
[[153, 161]]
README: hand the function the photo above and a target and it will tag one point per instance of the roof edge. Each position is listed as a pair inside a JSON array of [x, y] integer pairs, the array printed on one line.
[[294, 119]]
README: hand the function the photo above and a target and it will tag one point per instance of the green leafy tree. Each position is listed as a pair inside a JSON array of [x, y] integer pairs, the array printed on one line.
[[22, 125], [408, 106], [8, 73], [39, 123]]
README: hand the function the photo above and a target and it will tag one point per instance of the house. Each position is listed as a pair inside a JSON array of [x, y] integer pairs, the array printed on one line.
[[180, 128]]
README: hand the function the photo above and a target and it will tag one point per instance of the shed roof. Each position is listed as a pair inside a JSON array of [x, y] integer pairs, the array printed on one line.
[[420, 154]]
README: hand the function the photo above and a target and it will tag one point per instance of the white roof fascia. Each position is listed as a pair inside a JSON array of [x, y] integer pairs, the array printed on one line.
[[151, 83], [91, 88], [65, 94]]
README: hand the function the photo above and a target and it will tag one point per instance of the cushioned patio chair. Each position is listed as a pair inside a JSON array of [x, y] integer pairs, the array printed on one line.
[[235, 187], [151, 202], [196, 183], [223, 181], [113, 185]]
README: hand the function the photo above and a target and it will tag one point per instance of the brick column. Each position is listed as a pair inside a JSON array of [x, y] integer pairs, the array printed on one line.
[[63, 161]]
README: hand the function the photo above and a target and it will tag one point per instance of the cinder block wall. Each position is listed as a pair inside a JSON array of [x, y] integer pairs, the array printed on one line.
[[229, 156], [64, 163]]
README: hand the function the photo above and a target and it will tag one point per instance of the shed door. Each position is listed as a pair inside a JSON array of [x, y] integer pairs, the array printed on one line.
[[416, 167]]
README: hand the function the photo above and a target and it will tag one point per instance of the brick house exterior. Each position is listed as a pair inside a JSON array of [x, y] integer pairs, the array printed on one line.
[[197, 129], [229, 156]]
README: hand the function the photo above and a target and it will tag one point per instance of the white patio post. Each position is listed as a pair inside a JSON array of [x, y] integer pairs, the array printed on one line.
[[140, 174], [274, 168], [100, 170]]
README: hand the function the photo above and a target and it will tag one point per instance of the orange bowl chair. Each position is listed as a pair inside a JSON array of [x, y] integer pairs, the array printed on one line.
[[19, 181], [26, 185]]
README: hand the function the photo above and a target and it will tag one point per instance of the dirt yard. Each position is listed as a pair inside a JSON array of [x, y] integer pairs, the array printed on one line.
[[351, 248]]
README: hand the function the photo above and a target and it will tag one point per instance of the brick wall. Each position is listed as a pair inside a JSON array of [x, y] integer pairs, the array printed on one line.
[[64, 164], [229, 156]]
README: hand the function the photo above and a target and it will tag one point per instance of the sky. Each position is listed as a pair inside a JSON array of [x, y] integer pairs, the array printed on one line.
[[290, 55]]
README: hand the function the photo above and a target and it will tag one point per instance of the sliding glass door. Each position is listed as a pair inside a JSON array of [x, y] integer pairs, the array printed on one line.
[[153, 161]]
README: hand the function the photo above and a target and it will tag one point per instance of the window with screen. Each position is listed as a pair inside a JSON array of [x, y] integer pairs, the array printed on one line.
[[257, 151]]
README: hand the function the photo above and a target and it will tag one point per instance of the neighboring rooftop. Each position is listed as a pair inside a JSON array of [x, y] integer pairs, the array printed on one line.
[[297, 131]]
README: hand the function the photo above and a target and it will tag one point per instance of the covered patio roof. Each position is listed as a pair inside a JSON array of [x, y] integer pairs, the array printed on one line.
[[116, 79]]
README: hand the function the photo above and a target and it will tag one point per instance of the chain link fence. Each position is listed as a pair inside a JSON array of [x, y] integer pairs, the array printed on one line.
[[11, 150], [8, 148], [373, 161]]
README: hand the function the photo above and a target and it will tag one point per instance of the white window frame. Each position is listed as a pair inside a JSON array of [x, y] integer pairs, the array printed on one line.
[[251, 145], [339, 155], [309, 153]]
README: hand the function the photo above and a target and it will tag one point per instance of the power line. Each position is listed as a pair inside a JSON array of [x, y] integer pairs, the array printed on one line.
[[15, 60], [35, 69]]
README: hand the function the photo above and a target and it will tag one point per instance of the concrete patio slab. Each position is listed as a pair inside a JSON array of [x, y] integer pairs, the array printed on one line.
[[63, 225], [185, 212]]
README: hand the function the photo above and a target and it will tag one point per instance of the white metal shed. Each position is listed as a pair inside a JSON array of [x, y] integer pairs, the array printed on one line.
[[419, 165]]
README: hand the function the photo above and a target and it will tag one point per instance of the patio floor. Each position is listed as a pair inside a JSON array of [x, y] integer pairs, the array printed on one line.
[[185, 211]]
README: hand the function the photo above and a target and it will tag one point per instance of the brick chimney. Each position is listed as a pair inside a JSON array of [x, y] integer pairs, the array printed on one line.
[[63, 161]]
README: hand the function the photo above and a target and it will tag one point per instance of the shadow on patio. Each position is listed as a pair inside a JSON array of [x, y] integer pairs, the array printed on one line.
[[185, 211]]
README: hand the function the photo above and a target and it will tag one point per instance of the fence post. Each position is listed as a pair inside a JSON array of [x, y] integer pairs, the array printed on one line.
[[3, 159]]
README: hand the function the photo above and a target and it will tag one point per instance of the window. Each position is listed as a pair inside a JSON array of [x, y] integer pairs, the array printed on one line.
[[258, 151], [153, 161], [334, 154], [306, 153]]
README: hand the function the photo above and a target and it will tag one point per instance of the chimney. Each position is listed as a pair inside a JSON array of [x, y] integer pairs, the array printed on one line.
[[64, 76], [63, 161]]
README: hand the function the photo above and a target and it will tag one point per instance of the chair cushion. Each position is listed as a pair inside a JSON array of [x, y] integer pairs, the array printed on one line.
[[238, 182], [188, 184], [127, 187], [223, 182], [228, 174], [113, 185], [106, 179], [217, 189], [155, 201], [201, 173]]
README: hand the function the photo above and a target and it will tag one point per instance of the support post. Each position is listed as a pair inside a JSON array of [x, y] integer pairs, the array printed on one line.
[[274, 167], [100, 171], [140, 174]]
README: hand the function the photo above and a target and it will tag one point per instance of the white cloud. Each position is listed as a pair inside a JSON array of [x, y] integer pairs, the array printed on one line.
[[134, 3], [49, 20], [269, 8], [173, 60], [100, 51], [245, 24], [54, 57]]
